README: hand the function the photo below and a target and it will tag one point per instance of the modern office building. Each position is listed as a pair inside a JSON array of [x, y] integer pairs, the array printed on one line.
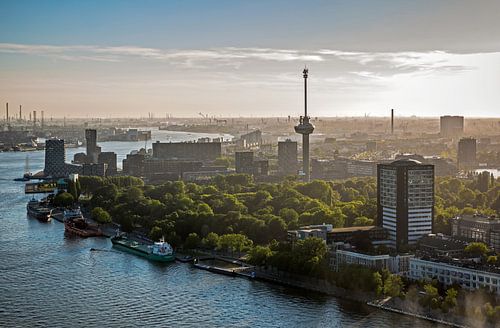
[[466, 155], [287, 157], [196, 151], [451, 126], [405, 200], [477, 228], [91, 140]]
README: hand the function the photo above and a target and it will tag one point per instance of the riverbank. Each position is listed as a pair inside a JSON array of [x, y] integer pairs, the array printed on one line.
[[380, 305], [272, 275]]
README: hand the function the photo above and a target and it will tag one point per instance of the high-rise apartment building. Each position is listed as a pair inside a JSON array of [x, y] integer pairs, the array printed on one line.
[[55, 158], [91, 139], [451, 126], [287, 157], [405, 200], [466, 155]]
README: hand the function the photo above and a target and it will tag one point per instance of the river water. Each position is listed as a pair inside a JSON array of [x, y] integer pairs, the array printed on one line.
[[49, 280]]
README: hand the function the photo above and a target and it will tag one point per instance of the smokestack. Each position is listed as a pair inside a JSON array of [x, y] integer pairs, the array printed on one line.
[[41, 124], [34, 118], [20, 112], [30, 116], [7, 112], [392, 121]]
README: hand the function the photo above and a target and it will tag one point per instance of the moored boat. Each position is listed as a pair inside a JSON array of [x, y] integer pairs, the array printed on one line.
[[39, 210], [75, 224], [159, 251]]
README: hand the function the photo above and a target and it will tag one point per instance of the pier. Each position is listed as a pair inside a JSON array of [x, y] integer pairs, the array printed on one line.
[[228, 267]]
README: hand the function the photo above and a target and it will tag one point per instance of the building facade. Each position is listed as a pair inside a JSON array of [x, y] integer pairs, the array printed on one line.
[[451, 126], [288, 163], [356, 168], [55, 160], [91, 140], [455, 273], [477, 228], [466, 155], [197, 151], [398, 264], [405, 200], [108, 158], [94, 169], [243, 162]]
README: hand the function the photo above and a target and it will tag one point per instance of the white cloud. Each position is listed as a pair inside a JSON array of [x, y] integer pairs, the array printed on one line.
[[120, 53]]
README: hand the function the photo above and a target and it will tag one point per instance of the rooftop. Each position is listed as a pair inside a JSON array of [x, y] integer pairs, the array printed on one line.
[[442, 243], [354, 229], [468, 264], [479, 218]]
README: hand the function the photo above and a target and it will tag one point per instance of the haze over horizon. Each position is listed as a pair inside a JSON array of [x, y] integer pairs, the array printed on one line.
[[235, 58]]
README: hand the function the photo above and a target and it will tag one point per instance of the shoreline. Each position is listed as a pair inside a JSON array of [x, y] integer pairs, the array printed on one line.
[[326, 288], [415, 315]]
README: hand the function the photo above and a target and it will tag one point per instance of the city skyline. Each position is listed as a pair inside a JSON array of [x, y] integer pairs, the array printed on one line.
[[244, 59]]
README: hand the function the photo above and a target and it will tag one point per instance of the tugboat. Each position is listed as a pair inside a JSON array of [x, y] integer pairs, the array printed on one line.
[[159, 251], [39, 210], [75, 224]]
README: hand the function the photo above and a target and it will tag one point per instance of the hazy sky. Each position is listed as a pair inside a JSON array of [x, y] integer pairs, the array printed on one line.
[[244, 58]]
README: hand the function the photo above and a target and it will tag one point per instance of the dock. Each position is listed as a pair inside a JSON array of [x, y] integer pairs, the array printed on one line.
[[239, 270]]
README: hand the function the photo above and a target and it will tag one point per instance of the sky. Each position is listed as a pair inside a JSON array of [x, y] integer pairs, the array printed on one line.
[[120, 58]]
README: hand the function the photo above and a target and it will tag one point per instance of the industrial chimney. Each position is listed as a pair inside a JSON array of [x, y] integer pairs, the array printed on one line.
[[392, 121]]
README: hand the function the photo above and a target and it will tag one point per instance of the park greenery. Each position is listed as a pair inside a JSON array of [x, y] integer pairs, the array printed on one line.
[[263, 212], [234, 215]]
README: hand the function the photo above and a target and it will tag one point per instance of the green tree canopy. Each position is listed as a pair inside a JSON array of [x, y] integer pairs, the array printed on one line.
[[63, 199], [477, 249], [101, 215]]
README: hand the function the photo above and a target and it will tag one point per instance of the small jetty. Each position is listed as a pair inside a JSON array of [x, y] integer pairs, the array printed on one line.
[[228, 267]]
